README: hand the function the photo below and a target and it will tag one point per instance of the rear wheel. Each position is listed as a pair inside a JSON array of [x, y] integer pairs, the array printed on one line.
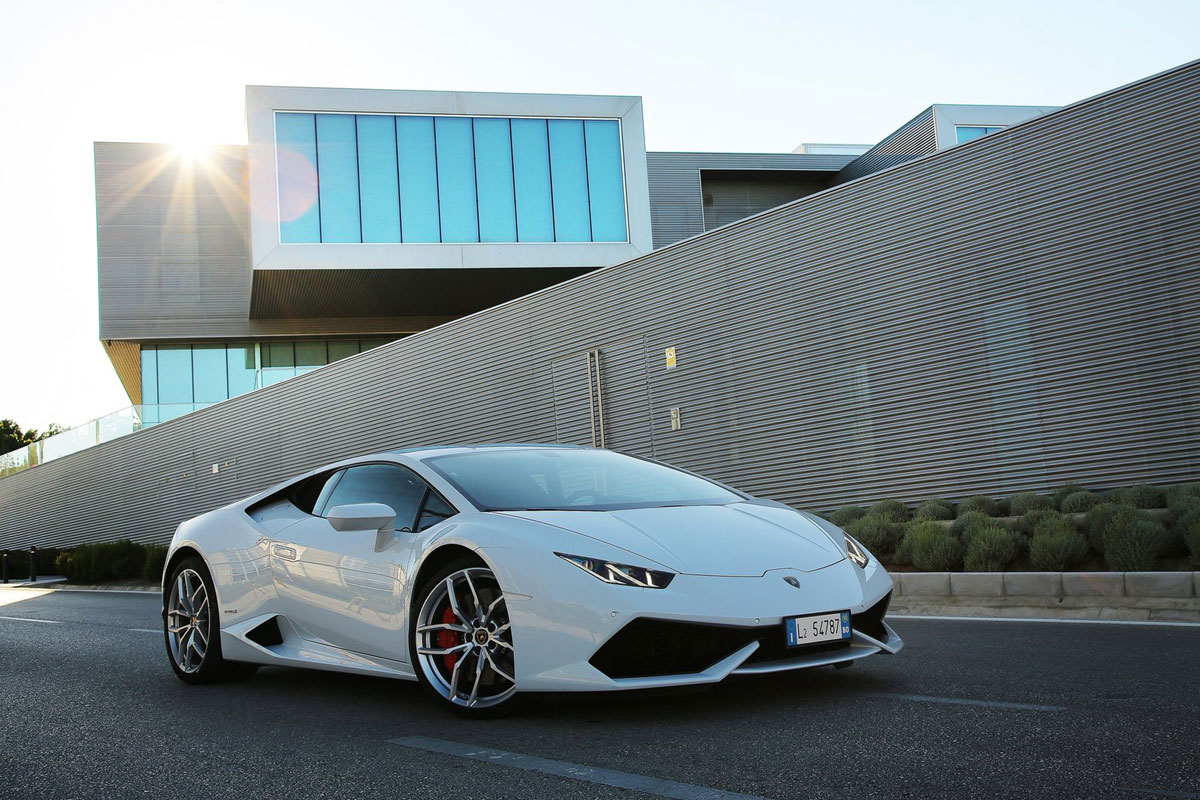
[[462, 641], [191, 627]]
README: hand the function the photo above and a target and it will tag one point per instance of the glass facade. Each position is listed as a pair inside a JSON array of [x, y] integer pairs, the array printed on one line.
[[425, 179], [965, 133], [180, 378]]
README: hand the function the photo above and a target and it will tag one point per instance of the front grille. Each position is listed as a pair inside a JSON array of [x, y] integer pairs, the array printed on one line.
[[648, 647], [654, 647]]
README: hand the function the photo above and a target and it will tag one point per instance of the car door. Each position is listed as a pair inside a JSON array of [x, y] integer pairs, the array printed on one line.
[[342, 587]]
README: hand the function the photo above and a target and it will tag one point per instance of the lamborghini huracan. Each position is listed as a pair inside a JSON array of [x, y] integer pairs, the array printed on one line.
[[494, 573]]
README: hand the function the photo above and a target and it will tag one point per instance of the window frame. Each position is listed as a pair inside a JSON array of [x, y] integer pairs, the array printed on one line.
[[429, 488]]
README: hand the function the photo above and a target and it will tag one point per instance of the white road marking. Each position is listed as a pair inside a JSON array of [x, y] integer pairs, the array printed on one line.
[[951, 617], [962, 701], [578, 772], [146, 630], [30, 619]]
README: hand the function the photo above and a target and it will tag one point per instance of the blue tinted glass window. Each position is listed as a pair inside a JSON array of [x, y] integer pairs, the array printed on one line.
[[606, 191], [279, 362], [568, 175], [337, 178], [531, 173], [494, 175], [241, 368], [174, 373], [209, 380], [149, 375], [418, 179], [456, 179], [296, 158], [340, 350], [377, 179], [966, 133], [310, 355]]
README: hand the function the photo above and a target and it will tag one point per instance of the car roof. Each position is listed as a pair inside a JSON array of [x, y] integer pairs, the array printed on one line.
[[428, 451]]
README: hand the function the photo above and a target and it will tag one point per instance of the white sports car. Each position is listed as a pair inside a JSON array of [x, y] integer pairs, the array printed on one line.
[[489, 573]]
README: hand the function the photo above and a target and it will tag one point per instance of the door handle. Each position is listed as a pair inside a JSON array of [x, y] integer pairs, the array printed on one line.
[[283, 551]]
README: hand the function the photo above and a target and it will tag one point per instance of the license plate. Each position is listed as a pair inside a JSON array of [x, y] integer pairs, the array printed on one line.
[[816, 628]]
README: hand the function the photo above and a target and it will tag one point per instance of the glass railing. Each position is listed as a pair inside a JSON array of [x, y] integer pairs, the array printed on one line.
[[126, 421], [94, 432]]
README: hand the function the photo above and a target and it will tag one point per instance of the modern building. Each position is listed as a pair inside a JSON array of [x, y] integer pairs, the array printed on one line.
[[842, 323]]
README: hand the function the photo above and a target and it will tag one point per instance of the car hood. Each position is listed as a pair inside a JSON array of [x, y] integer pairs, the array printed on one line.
[[737, 540]]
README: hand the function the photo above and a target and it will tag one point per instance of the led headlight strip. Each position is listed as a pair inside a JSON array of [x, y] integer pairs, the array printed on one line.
[[621, 574], [856, 552]]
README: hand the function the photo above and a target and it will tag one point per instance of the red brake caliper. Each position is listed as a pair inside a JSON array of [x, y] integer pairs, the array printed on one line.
[[447, 639]]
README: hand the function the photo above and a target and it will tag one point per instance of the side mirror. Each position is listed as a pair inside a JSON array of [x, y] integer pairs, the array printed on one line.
[[363, 517]]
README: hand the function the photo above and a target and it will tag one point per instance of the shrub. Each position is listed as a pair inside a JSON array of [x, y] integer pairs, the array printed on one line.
[[1133, 548], [104, 561], [969, 520], [1066, 491], [1057, 546], [63, 563], [934, 508], [156, 560], [990, 549], [1105, 516], [1146, 496], [903, 554], [876, 533], [1079, 502], [1021, 504], [1030, 522], [979, 503], [846, 514], [891, 510], [1183, 499], [976, 525], [934, 548], [1188, 529]]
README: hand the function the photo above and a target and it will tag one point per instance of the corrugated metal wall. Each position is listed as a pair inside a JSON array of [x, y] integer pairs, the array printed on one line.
[[913, 139], [1009, 314], [676, 203]]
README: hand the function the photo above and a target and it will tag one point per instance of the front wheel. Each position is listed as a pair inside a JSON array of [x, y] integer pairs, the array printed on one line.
[[462, 641], [191, 628]]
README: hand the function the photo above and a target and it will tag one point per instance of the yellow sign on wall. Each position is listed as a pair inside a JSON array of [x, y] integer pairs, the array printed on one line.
[[670, 358]]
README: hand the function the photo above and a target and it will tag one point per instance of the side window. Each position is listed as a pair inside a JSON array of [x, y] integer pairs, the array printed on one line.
[[434, 511], [327, 488], [381, 483]]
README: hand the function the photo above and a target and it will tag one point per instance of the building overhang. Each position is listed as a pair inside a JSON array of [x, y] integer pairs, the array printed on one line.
[[281, 271]]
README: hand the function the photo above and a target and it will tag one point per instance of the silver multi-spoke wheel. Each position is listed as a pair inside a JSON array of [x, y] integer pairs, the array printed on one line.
[[188, 613], [464, 640]]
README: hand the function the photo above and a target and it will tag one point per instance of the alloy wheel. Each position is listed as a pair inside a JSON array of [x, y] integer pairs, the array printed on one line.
[[188, 613], [464, 640]]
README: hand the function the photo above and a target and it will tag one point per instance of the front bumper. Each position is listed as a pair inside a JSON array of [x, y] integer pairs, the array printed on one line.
[[564, 620]]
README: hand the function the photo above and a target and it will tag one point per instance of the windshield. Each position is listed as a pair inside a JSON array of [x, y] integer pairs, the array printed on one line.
[[572, 480]]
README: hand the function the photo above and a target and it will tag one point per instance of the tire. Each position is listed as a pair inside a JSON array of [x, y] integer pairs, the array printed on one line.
[[461, 642], [191, 627]]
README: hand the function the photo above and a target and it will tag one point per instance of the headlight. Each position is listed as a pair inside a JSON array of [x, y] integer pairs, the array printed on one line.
[[621, 574], [858, 553]]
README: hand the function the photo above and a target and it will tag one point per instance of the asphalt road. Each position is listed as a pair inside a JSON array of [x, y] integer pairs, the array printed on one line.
[[89, 708]]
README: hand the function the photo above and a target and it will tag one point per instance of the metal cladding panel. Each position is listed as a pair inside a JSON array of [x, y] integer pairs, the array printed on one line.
[[676, 201], [171, 238], [1006, 315], [913, 139]]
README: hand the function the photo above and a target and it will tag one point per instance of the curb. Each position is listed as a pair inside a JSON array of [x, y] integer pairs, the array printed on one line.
[[1114, 586]]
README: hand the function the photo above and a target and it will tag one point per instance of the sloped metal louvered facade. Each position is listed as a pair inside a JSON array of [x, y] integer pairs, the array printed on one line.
[[1006, 315]]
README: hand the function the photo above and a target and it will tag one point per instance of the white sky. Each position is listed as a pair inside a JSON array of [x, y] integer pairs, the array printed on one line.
[[739, 76]]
